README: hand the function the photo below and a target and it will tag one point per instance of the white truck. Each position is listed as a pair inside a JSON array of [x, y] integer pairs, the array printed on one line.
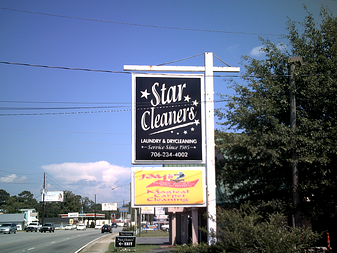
[[165, 227], [33, 226]]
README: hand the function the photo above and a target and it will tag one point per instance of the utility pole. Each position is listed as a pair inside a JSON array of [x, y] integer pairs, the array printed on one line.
[[296, 216], [43, 194], [95, 209]]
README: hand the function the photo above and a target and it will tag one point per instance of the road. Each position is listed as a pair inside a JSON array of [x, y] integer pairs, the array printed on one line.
[[61, 241]]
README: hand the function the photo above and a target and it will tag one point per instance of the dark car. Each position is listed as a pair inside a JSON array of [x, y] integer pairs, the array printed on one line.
[[106, 228], [113, 225], [8, 228], [47, 227]]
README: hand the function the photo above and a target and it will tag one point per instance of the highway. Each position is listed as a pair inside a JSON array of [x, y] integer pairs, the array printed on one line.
[[61, 241]]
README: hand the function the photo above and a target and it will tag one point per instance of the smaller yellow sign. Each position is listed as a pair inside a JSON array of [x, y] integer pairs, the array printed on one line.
[[181, 186]]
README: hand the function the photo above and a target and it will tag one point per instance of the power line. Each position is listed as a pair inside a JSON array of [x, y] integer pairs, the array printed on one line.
[[65, 68], [58, 108], [18, 173], [168, 74], [141, 25], [139, 107], [60, 113], [64, 151], [59, 102], [66, 142], [53, 131]]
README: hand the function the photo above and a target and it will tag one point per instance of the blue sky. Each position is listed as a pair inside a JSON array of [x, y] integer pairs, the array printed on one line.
[[75, 125]]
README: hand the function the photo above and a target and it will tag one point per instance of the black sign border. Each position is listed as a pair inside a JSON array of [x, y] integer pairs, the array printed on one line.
[[134, 240], [202, 119]]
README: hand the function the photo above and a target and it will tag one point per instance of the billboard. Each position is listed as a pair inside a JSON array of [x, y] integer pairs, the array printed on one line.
[[159, 186], [53, 196], [109, 206], [167, 119]]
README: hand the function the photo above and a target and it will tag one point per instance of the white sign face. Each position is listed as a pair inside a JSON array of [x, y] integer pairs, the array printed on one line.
[[53, 196], [147, 210], [109, 206], [162, 217], [160, 210], [168, 119], [73, 215]]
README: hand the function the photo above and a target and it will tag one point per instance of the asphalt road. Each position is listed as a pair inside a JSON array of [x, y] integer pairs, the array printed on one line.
[[61, 241]]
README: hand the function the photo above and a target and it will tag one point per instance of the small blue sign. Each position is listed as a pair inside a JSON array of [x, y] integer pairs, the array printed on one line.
[[150, 227], [124, 209]]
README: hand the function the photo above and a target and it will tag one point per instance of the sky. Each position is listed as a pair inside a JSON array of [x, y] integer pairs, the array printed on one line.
[[74, 125]]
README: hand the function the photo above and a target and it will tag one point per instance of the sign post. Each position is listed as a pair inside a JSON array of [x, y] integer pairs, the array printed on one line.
[[208, 70]]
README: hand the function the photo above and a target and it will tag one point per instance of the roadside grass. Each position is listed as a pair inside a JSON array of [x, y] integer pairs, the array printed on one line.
[[141, 247], [153, 233]]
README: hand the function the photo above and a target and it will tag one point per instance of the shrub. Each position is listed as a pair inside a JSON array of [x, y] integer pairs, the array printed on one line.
[[249, 230], [246, 230]]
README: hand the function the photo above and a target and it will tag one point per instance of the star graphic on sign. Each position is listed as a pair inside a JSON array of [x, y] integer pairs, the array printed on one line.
[[197, 122], [185, 132], [187, 98], [192, 129], [144, 94], [195, 103]]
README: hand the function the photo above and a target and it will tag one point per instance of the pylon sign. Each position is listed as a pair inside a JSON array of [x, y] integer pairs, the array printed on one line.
[[167, 119]]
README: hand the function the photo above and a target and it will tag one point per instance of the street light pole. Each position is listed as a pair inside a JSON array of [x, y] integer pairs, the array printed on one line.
[[118, 186]]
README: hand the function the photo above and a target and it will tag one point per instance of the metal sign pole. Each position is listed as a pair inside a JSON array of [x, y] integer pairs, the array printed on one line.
[[210, 146]]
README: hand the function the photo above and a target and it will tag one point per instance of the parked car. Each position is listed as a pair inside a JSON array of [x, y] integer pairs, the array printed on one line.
[[106, 228], [69, 227], [98, 226], [48, 227], [8, 228], [113, 224], [81, 227], [166, 227], [33, 226]]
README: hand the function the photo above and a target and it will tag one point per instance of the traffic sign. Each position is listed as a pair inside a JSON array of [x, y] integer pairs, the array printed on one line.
[[125, 241]]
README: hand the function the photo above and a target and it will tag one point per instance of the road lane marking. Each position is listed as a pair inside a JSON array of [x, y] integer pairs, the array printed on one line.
[[90, 243]]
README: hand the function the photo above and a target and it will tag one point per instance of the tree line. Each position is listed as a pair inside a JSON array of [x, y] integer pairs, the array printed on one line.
[[71, 203]]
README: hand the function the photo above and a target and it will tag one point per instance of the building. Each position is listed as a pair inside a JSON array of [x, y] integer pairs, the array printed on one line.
[[18, 218], [31, 215]]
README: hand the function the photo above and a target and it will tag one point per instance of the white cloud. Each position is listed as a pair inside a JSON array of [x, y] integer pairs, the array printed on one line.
[[232, 48], [257, 52], [88, 179], [8, 179], [12, 179]]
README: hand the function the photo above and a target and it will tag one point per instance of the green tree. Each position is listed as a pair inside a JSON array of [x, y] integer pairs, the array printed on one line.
[[27, 200], [4, 196], [71, 203], [12, 205], [258, 155], [88, 205]]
